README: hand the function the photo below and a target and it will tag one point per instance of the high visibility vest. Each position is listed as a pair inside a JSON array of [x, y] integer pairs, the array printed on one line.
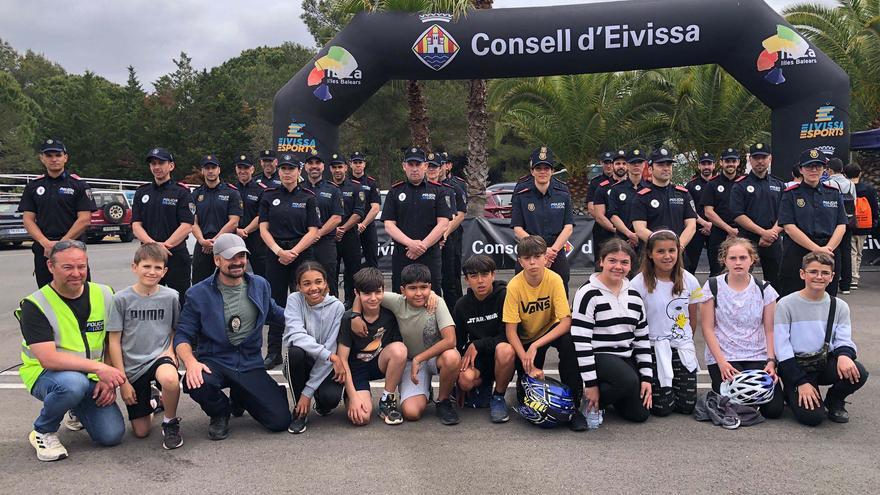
[[87, 342]]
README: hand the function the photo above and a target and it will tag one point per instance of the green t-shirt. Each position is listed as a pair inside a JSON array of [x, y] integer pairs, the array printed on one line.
[[237, 303], [418, 329]]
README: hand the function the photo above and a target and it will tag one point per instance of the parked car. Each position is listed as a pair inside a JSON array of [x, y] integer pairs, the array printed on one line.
[[12, 229], [498, 200], [113, 216]]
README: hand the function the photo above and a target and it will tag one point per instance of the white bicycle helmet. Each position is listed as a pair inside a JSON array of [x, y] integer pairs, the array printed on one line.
[[749, 388]]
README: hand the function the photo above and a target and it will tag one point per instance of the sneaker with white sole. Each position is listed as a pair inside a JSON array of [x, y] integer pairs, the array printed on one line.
[[71, 422], [48, 446]]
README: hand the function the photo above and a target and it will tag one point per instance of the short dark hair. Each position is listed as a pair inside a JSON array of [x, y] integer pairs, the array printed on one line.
[[836, 165], [369, 279], [852, 170], [416, 273], [533, 245], [796, 172], [310, 266], [150, 251], [479, 263], [817, 257], [64, 245]]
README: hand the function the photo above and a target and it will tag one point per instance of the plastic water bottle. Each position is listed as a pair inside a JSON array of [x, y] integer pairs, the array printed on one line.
[[594, 417]]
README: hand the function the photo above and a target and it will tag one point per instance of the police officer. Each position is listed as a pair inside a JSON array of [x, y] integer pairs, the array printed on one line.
[[163, 212], [269, 163], [452, 178], [249, 222], [663, 205], [814, 219], [329, 200], [416, 215], [218, 209], [348, 246], [56, 206], [544, 209], [607, 159], [697, 186], [754, 204], [288, 225], [367, 228], [451, 260], [715, 204], [622, 196], [603, 229]]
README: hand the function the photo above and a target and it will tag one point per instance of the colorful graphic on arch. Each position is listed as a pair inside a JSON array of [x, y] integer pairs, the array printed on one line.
[[335, 67], [786, 43], [435, 47]]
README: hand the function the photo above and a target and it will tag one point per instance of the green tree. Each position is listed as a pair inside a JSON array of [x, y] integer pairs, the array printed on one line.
[[18, 124], [323, 19]]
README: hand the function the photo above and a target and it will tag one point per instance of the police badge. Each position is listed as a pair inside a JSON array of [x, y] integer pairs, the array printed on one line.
[[235, 324], [801, 203]]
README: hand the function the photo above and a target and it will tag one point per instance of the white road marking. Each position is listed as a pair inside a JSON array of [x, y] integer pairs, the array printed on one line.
[[373, 385]]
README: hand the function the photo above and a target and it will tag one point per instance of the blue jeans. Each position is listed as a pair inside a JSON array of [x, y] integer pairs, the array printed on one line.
[[61, 391]]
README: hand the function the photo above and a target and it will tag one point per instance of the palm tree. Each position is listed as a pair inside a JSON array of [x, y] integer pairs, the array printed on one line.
[[477, 168], [418, 107], [579, 116]]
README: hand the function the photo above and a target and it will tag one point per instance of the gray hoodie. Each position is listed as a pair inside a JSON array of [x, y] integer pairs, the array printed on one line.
[[313, 329]]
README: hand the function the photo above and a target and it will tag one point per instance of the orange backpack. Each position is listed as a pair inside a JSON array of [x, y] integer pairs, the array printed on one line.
[[862, 218]]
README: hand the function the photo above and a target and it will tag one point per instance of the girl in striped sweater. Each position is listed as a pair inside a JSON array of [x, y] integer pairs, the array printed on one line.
[[610, 333]]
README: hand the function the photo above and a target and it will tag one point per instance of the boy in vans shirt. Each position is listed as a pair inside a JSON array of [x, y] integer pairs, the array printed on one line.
[[376, 355], [537, 316], [141, 329]]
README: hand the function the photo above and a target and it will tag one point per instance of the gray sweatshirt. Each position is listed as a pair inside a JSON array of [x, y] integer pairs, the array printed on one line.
[[313, 329]]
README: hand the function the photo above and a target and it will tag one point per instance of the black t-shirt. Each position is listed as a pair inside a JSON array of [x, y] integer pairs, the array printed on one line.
[[35, 327], [380, 333]]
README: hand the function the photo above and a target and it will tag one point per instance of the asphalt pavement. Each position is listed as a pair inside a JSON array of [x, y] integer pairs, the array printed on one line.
[[664, 455]]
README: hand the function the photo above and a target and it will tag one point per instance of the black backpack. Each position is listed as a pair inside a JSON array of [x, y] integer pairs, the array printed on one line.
[[713, 287]]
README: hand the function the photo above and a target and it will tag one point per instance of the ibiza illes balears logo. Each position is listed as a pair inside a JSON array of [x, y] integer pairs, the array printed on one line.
[[338, 67], [435, 47], [784, 48]]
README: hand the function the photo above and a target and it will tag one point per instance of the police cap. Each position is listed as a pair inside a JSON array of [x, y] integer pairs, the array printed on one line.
[[209, 159], [52, 145], [607, 156], [707, 157], [414, 154], [542, 156], [434, 160], [661, 155], [636, 155], [810, 156], [357, 156], [288, 160], [267, 155], [760, 149], [160, 154], [730, 154], [337, 159], [243, 160]]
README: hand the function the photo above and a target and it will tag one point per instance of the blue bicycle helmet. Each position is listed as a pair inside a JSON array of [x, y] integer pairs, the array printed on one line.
[[546, 403]]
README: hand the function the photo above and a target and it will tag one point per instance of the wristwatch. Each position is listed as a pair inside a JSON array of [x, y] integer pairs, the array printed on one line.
[[773, 360]]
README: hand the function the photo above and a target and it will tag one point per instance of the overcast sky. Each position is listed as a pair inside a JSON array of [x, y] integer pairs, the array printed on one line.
[[105, 36]]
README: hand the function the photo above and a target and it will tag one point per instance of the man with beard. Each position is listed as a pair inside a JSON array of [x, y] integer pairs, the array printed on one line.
[[329, 199], [249, 224], [348, 246], [269, 164], [225, 313], [603, 229], [218, 208], [608, 158], [697, 187], [372, 205], [716, 207], [662, 205]]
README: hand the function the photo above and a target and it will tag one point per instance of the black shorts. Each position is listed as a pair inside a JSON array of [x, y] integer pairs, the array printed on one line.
[[363, 372], [142, 390], [485, 363]]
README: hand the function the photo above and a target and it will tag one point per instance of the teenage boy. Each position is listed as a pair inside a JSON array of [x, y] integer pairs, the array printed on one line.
[[141, 329], [429, 337], [537, 316], [377, 355], [801, 326], [481, 337]]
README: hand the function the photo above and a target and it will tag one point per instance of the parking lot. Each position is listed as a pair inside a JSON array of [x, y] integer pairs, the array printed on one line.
[[663, 455]]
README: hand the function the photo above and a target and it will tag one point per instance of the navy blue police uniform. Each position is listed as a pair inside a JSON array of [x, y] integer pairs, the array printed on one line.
[[666, 207], [758, 199], [451, 250], [55, 203], [697, 186], [214, 206], [817, 212], [607, 157], [271, 180], [250, 198], [161, 209], [288, 215], [348, 249], [415, 209], [369, 238], [717, 195], [544, 214], [328, 196], [601, 197]]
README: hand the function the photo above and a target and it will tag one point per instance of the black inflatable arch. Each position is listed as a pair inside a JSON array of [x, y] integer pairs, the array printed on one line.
[[807, 93]]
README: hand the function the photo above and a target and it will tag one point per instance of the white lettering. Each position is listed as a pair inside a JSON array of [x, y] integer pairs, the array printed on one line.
[[477, 51]]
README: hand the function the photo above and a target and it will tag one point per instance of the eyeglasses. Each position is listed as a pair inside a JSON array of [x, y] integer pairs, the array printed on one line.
[[65, 245], [812, 166], [819, 273]]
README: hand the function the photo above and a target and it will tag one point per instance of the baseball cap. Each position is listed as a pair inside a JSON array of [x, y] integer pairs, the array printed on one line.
[[228, 245], [52, 145], [414, 154], [313, 155], [337, 159], [706, 157], [636, 155], [357, 156], [730, 153], [209, 160], [542, 155], [812, 155], [160, 154], [760, 149], [267, 155], [607, 156], [243, 160], [288, 160], [661, 155], [434, 160]]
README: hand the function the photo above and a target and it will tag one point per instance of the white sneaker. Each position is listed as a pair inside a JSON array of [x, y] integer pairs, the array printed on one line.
[[71, 422], [48, 446]]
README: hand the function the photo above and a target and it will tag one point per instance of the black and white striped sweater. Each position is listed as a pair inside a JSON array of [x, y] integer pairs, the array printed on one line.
[[603, 322]]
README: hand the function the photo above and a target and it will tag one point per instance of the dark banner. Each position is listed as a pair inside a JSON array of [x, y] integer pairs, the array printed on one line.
[[807, 92], [494, 237]]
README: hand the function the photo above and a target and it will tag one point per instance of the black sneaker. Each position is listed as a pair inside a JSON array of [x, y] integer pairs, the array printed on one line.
[[389, 411], [320, 411], [836, 410], [298, 425], [578, 422], [446, 412], [218, 429], [171, 438], [272, 360]]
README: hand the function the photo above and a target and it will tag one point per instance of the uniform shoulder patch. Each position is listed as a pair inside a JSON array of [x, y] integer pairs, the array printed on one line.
[[793, 186], [829, 186], [526, 189], [74, 176], [446, 185], [437, 183], [524, 178], [264, 186], [741, 177], [644, 191], [605, 182], [183, 185], [682, 188], [267, 188], [459, 178], [396, 184], [561, 182], [307, 190], [355, 181], [370, 177], [335, 184], [232, 186]]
